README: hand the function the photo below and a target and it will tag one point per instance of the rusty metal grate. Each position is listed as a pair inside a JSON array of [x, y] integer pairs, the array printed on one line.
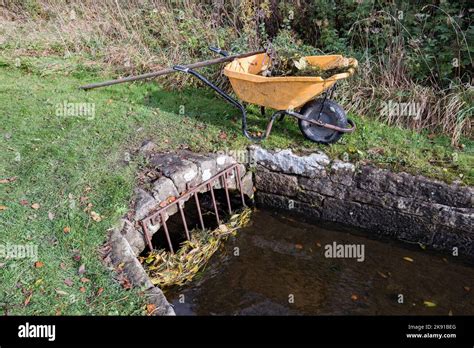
[[159, 216]]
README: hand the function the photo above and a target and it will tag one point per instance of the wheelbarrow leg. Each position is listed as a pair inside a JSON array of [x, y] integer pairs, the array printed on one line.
[[234, 102], [329, 92]]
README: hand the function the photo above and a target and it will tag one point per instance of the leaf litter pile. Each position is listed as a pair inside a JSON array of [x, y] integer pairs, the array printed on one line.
[[285, 62], [166, 269]]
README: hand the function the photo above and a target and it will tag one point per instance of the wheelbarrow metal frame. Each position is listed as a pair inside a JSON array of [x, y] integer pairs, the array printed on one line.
[[279, 113]]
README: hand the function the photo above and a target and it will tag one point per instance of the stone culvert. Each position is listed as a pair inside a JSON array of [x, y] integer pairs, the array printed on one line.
[[175, 173]]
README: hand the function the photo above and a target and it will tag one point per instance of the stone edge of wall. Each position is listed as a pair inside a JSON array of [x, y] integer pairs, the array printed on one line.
[[398, 205]]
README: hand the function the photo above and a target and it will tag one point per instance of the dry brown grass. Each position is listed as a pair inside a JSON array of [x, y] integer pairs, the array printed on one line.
[[130, 37]]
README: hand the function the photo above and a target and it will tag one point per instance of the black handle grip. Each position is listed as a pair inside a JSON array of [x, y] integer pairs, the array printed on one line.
[[219, 51], [180, 68]]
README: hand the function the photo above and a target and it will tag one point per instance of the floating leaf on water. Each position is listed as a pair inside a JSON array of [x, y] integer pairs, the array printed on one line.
[[409, 259], [429, 304]]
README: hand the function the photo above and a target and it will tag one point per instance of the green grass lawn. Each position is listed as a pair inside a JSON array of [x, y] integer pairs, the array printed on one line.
[[64, 163]]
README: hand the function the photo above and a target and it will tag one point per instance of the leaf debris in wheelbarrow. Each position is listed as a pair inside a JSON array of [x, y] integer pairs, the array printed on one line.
[[288, 63]]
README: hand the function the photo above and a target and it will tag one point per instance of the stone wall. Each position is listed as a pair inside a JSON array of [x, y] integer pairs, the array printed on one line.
[[175, 172], [398, 205], [167, 175]]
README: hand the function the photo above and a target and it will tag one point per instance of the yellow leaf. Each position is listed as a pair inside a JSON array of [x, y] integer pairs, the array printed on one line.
[[35, 206], [429, 304], [96, 217], [409, 259]]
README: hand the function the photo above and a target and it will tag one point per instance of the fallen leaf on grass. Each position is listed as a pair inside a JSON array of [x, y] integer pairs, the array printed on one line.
[[68, 282], [222, 135], [2, 264], [82, 289], [28, 299], [35, 206], [67, 229], [60, 292], [409, 259], [50, 216], [85, 280], [125, 283], [150, 308], [96, 217], [63, 266], [8, 180], [2, 207], [39, 264], [82, 269], [100, 291], [76, 255], [429, 304], [24, 202]]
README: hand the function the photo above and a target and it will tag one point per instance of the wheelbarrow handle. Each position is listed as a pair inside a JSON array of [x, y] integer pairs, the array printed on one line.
[[219, 51]]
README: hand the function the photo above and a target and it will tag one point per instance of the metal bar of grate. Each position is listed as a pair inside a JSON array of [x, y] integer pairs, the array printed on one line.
[[198, 206], [214, 204], [183, 218], [165, 227], [224, 177]]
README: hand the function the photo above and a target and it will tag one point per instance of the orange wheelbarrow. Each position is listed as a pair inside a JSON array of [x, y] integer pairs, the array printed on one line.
[[320, 120]]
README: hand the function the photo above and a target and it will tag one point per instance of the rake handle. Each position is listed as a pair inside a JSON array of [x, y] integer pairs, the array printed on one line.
[[168, 71]]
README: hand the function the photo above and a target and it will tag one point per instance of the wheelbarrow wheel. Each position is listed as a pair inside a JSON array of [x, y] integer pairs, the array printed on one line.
[[331, 113]]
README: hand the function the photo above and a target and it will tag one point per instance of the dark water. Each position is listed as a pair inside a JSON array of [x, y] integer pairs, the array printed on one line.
[[282, 270]]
